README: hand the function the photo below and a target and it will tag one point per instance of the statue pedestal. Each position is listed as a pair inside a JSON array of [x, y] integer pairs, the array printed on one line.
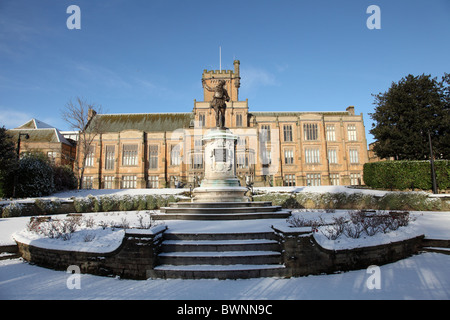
[[220, 183]]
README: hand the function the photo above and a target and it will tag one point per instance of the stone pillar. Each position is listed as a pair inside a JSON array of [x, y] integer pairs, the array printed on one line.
[[220, 183]]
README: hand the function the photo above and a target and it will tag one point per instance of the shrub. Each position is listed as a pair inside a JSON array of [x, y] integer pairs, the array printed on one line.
[[83, 204], [403, 175], [109, 203], [47, 207], [13, 209], [126, 203], [64, 178], [151, 202], [34, 177]]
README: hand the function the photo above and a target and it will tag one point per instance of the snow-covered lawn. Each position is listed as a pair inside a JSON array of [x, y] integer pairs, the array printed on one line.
[[424, 276]]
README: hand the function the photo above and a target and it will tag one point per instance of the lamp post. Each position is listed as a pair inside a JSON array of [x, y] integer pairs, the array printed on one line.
[[433, 173], [27, 136]]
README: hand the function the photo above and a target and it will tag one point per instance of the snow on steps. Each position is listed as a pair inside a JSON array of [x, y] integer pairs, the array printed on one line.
[[221, 211], [436, 245], [219, 255]]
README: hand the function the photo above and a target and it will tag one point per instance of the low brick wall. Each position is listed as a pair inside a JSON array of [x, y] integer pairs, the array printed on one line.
[[134, 259], [303, 256]]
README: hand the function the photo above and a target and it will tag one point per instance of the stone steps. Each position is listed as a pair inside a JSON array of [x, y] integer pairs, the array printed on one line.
[[282, 214], [220, 204], [219, 255], [435, 245], [9, 252], [222, 211]]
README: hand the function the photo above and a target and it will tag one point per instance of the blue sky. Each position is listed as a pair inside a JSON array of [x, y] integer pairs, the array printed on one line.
[[141, 56]]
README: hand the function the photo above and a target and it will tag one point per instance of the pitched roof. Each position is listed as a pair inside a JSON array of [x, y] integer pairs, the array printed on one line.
[[35, 124], [39, 135], [149, 122]]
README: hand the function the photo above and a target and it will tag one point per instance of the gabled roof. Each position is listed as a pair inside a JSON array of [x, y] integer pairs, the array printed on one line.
[[39, 131], [39, 135], [35, 124], [148, 122]]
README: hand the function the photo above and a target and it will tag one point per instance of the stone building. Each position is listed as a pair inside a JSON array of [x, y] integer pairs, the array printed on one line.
[[37, 136], [156, 150]]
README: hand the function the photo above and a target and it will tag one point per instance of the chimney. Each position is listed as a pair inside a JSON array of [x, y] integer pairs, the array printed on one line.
[[351, 110], [91, 114]]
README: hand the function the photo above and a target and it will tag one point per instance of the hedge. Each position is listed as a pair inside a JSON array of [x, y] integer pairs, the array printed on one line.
[[405, 174]]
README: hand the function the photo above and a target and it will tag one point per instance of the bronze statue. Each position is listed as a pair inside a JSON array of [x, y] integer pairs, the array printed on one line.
[[218, 101]]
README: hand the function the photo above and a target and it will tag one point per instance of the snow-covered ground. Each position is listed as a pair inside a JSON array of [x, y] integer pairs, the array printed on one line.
[[424, 276]]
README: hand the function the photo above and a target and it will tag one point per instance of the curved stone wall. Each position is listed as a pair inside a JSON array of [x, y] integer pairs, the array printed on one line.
[[137, 256]]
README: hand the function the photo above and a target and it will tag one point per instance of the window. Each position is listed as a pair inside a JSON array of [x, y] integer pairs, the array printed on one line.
[[90, 157], [334, 179], [153, 156], [310, 131], [110, 158], [129, 182], [331, 132], [239, 120], [265, 133], [288, 156], [287, 132], [153, 182], [197, 161], [266, 157], [130, 155], [353, 156], [313, 179], [202, 119], [108, 182], [312, 155], [332, 156], [175, 155], [87, 182], [351, 131], [355, 179], [242, 161], [198, 143], [51, 156], [289, 180]]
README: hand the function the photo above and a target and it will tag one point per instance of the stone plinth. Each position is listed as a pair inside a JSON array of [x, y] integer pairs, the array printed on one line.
[[220, 183]]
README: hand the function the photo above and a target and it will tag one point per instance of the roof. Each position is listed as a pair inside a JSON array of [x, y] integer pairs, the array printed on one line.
[[35, 124], [39, 135], [148, 122], [294, 113]]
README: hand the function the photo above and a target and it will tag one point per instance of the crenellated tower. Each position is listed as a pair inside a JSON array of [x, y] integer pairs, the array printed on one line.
[[232, 81]]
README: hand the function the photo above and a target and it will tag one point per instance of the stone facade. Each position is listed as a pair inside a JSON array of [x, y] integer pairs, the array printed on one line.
[[157, 150]]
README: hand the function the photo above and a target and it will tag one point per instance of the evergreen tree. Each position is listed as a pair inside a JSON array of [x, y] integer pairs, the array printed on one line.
[[407, 112], [7, 157]]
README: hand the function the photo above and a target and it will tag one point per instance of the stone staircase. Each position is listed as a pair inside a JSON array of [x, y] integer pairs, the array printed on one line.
[[219, 255], [9, 252], [222, 211], [438, 246]]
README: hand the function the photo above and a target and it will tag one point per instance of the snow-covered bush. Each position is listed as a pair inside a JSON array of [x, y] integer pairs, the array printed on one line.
[[355, 224], [83, 204], [13, 209], [34, 177], [47, 207], [55, 228]]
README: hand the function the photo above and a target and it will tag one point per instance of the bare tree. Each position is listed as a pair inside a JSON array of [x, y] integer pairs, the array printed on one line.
[[80, 115]]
